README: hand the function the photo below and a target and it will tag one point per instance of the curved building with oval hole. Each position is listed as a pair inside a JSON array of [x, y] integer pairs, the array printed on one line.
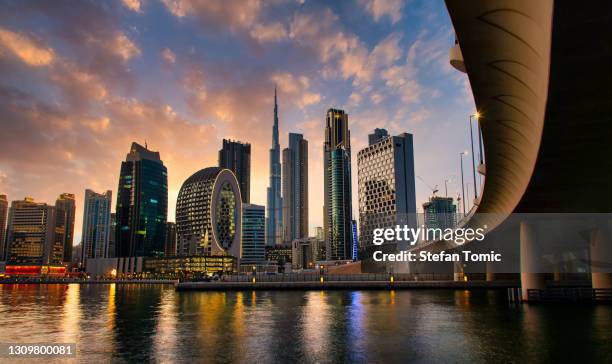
[[208, 214]]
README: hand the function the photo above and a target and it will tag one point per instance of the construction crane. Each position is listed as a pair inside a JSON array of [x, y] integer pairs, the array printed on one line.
[[434, 189]]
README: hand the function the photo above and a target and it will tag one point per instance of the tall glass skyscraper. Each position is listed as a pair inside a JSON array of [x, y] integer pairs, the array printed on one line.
[[274, 218], [96, 225], [295, 189], [142, 204], [3, 216], [66, 205], [253, 234], [236, 157], [337, 204]]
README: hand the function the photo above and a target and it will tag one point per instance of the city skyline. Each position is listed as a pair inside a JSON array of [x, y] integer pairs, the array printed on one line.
[[95, 107]]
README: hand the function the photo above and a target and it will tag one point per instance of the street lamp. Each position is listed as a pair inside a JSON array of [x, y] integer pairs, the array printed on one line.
[[473, 161], [462, 185]]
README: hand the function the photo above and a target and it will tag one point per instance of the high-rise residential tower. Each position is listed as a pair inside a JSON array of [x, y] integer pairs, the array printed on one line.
[[253, 234], [96, 225], [3, 216], [31, 234], [386, 184], [338, 212], [209, 214], [295, 189], [236, 157], [66, 205], [142, 204], [274, 218]]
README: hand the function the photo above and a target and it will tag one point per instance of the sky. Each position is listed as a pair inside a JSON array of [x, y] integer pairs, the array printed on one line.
[[81, 80]]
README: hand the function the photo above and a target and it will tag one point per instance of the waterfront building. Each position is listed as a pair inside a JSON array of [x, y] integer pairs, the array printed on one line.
[[253, 234], [142, 204], [208, 214], [319, 233], [306, 252], [279, 254], [295, 189], [236, 156], [112, 240], [66, 210], [440, 212], [96, 225], [337, 203], [386, 184], [170, 247], [274, 213], [3, 217], [32, 243]]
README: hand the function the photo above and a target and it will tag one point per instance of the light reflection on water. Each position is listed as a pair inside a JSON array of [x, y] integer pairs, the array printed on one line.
[[155, 323]]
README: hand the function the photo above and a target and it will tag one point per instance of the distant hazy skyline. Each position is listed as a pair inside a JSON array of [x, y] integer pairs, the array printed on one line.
[[79, 81]]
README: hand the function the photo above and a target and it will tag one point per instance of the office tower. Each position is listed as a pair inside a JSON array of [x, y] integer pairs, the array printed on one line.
[[96, 225], [253, 234], [386, 184], [170, 250], [208, 214], [319, 233], [378, 135], [305, 253], [142, 204], [3, 217], [112, 240], [236, 157], [295, 189], [337, 186], [31, 233], [66, 205], [440, 212], [274, 218]]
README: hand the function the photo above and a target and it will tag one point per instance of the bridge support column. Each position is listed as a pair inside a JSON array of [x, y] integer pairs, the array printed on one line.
[[458, 271], [530, 277], [490, 275], [601, 256]]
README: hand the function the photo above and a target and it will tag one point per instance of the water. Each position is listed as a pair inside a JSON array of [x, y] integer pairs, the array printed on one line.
[[135, 323]]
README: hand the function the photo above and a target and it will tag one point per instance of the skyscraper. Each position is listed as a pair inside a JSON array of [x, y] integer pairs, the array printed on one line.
[[274, 218], [386, 184], [253, 234], [337, 203], [170, 249], [236, 157], [3, 216], [66, 205], [295, 189], [31, 233], [112, 241], [142, 204], [96, 225], [209, 214], [440, 212]]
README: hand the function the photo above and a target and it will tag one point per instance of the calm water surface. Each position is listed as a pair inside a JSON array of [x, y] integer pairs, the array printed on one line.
[[135, 323]]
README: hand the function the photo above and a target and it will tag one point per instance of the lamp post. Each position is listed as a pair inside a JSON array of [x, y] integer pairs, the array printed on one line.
[[473, 161], [462, 185]]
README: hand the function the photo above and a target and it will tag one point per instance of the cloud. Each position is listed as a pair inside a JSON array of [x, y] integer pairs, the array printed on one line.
[[168, 56], [380, 8], [27, 49], [217, 14], [273, 32], [133, 5]]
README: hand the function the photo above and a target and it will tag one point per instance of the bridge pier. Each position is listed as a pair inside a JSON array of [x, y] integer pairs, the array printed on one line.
[[530, 277], [490, 275], [601, 254], [458, 271]]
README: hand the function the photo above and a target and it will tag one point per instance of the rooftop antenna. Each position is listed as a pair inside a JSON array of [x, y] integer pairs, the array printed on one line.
[[146, 144]]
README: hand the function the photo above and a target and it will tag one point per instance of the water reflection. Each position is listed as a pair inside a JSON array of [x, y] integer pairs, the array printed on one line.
[[154, 323]]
